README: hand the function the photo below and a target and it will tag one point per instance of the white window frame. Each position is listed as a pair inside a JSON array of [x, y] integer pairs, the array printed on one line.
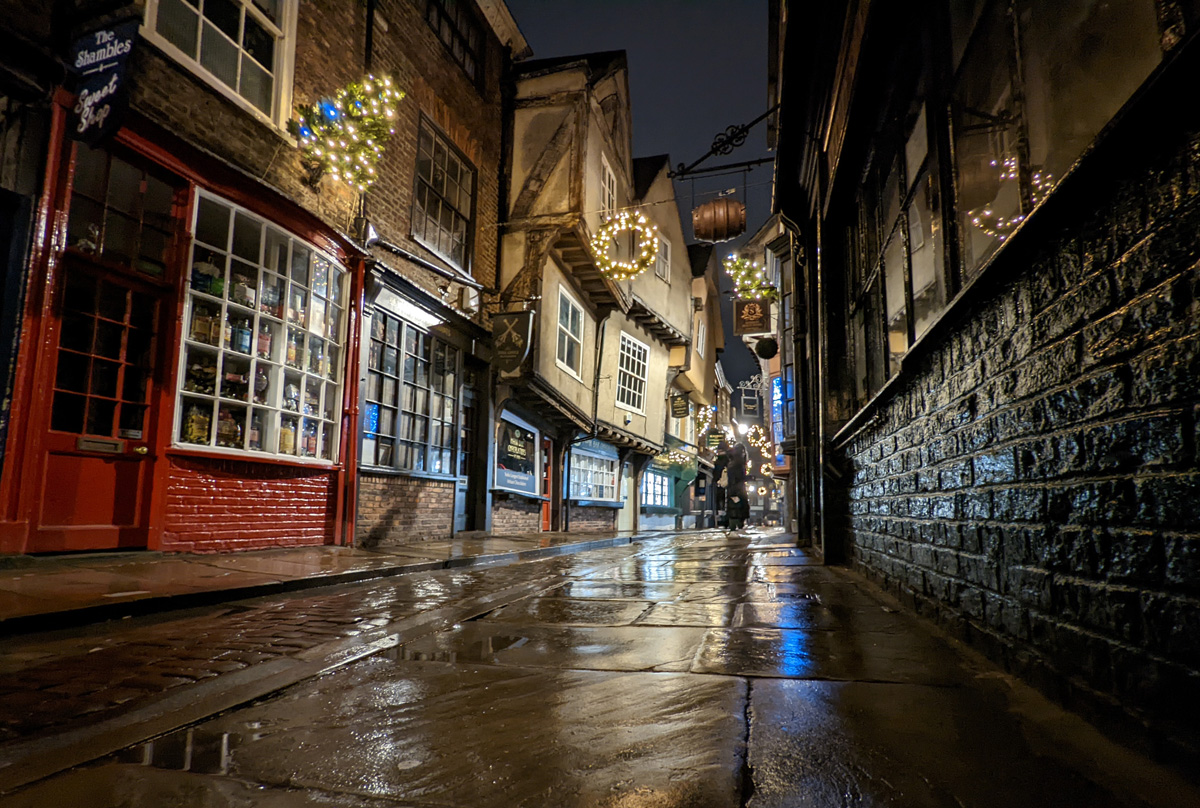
[[627, 359], [283, 69], [572, 307], [303, 389], [701, 334], [608, 188], [662, 262], [596, 472], [656, 489]]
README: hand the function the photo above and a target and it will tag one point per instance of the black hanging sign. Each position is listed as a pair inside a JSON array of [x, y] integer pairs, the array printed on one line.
[[751, 317], [679, 407], [512, 333], [713, 439], [98, 61]]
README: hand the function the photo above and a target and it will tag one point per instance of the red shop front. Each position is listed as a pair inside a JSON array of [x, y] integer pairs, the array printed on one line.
[[181, 383]]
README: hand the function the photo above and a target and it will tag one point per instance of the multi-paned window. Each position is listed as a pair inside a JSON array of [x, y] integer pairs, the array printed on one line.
[[459, 29], [1031, 89], [662, 261], [570, 333], [411, 398], [701, 333], [121, 212], [631, 374], [239, 44], [593, 477], [656, 489], [608, 188], [441, 218], [261, 365]]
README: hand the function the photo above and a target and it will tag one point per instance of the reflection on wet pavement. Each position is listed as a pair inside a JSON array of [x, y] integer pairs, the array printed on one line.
[[701, 671]]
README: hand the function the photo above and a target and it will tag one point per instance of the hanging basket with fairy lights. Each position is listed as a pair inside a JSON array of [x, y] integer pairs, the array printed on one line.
[[749, 279], [345, 135], [647, 245]]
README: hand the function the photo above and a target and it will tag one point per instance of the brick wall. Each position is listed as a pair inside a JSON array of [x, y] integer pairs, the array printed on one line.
[[393, 509], [593, 520], [217, 505], [513, 515], [1033, 480]]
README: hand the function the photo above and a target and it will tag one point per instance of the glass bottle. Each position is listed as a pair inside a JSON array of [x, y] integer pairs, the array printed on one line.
[[195, 425], [262, 384], [229, 430], [255, 436], [241, 335], [310, 439], [264, 341], [287, 437]]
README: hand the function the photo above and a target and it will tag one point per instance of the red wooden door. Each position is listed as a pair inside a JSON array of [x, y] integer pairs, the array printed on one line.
[[97, 443]]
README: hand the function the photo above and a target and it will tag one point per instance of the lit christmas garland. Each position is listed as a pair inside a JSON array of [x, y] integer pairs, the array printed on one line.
[[765, 470], [647, 244], [345, 135], [705, 417], [1000, 227], [759, 439], [749, 279]]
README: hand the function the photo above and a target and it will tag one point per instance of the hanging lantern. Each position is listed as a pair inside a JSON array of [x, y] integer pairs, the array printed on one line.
[[719, 220]]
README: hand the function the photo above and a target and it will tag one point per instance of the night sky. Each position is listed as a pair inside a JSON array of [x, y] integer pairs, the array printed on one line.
[[695, 68]]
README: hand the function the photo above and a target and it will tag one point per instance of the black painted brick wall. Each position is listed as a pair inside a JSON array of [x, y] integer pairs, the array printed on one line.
[[1033, 482]]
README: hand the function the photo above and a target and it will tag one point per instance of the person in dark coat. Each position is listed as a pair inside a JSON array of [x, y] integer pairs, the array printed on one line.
[[733, 459]]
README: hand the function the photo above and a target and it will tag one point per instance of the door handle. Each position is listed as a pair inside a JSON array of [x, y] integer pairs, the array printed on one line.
[[140, 450]]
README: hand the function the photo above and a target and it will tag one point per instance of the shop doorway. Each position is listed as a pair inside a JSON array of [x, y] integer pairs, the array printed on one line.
[[98, 443], [463, 490]]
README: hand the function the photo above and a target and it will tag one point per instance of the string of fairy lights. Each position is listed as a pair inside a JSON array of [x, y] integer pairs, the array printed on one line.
[[750, 281], [345, 135], [1000, 227]]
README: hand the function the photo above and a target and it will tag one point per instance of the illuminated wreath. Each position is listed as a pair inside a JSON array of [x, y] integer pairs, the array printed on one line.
[[647, 245], [345, 135]]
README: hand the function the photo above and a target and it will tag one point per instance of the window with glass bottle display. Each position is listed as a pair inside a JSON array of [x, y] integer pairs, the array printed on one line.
[[260, 365]]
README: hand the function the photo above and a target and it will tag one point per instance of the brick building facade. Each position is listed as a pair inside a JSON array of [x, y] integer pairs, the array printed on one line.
[[213, 336], [1008, 332]]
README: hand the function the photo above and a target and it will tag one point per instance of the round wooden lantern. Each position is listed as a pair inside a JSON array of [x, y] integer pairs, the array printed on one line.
[[719, 220]]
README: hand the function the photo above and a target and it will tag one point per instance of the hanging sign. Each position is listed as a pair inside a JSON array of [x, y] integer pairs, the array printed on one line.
[[679, 407], [713, 440], [751, 317], [512, 333], [98, 62]]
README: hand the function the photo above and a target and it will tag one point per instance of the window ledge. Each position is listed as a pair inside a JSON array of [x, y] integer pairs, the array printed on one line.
[[383, 471], [597, 503], [661, 510], [522, 494]]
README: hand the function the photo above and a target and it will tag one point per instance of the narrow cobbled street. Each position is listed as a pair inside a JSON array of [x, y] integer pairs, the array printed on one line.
[[704, 669]]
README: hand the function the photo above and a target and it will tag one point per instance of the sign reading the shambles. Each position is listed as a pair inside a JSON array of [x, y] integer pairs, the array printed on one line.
[[512, 332], [679, 407], [98, 63], [751, 317]]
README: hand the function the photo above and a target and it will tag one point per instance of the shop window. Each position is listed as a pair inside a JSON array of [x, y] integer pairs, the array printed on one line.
[[441, 217], [261, 363], [662, 261], [237, 45], [121, 212], [461, 33], [411, 398], [656, 490], [516, 456], [1023, 115], [631, 374], [592, 477], [570, 333]]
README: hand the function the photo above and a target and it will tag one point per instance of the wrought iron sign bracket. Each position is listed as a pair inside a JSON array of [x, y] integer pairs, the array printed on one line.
[[724, 143]]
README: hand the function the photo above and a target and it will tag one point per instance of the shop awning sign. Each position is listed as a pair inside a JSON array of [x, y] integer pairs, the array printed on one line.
[[98, 62], [512, 332], [679, 407]]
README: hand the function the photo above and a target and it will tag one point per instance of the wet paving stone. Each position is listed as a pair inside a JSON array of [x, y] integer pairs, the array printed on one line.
[[572, 612], [687, 613]]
